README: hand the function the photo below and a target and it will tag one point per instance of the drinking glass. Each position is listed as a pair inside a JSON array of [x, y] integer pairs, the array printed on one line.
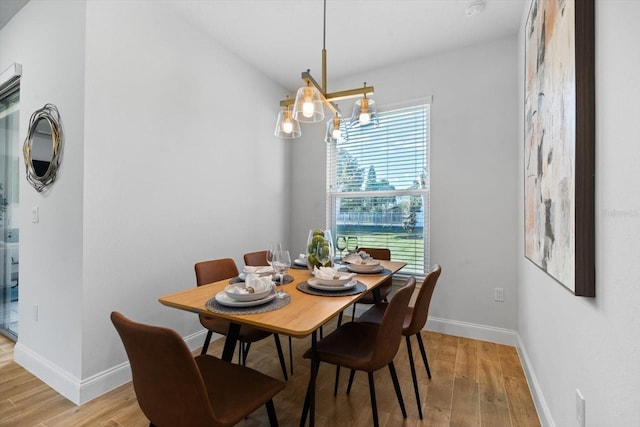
[[281, 263], [352, 244], [273, 248], [341, 244], [323, 252]]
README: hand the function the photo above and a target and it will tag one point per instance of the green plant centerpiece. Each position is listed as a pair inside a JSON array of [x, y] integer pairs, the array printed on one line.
[[319, 249]]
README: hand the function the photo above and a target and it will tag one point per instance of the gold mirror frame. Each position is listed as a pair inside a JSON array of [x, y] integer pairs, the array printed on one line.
[[50, 114]]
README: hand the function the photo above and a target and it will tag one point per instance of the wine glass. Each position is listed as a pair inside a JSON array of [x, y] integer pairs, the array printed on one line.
[[323, 252], [341, 244], [273, 248], [281, 263], [352, 244]]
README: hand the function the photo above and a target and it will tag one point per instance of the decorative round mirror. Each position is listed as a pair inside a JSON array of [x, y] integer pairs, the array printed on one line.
[[43, 147]]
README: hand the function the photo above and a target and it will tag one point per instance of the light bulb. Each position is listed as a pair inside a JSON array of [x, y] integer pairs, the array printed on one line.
[[287, 127], [307, 108], [364, 118], [336, 134]]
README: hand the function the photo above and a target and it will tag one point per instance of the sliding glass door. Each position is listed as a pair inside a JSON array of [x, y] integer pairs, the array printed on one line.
[[9, 201]]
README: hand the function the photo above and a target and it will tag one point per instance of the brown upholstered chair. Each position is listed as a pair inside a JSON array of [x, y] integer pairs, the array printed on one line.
[[175, 389], [257, 259], [385, 287], [414, 320], [220, 269], [367, 347]]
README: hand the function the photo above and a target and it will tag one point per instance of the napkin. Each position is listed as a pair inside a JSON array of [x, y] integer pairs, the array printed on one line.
[[357, 258], [255, 282], [261, 270], [329, 273]]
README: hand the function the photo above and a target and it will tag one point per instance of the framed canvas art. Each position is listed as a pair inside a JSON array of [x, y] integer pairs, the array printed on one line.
[[559, 150]]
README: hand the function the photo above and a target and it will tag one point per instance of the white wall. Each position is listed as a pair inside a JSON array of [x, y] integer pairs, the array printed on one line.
[[474, 148], [591, 344], [169, 160], [52, 58]]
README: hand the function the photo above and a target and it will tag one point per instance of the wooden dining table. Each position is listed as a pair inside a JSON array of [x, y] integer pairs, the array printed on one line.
[[303, 316]]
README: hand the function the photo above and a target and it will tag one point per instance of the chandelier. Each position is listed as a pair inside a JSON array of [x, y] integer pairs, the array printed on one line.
[[308, 105]]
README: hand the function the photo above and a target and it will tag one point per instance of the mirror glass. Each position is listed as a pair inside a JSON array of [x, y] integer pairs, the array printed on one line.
[[41, 147]]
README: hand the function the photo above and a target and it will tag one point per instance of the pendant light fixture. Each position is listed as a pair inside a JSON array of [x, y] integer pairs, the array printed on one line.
[[286, 126], [308, 106], [365, 112], [335, 130]]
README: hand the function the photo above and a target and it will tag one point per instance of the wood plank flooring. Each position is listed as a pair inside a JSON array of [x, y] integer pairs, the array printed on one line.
[[474, 383]]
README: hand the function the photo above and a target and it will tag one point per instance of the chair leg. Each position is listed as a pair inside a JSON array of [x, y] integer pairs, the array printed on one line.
[[271, 411], [351, 375], [290, 355], [374, 406], [353, 313], [205, 346], [335, 385], [276, 338], [413, 375], [396, 386], [424, 354], [340, 319]]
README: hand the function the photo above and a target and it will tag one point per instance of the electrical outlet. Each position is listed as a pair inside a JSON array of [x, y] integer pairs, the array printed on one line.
[[580, 408], [498, 294]]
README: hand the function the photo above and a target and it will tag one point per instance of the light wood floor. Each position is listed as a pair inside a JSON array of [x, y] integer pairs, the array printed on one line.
[[474, 383]]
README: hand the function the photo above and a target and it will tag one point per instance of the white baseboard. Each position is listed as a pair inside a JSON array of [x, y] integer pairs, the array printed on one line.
[[81, 391], [473, 330], [536, 391]]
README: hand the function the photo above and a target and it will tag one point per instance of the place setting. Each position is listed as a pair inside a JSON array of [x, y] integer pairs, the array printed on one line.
[[329, 281], [362, 263]]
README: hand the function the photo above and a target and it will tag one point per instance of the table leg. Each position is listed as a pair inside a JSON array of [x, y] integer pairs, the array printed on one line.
[[231, 341], [376, 295], [310, 400]]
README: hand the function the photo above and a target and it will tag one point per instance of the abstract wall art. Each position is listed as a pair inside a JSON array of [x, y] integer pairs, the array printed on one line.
[[559, 152]]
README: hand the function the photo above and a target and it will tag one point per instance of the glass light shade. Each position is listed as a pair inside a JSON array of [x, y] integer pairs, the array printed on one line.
[[286, 126], [308, 106], [365, 113], [335, 131]]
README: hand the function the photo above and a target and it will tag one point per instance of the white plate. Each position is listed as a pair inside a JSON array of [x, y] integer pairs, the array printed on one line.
[[245, 297], [356, 268], [224, 299], [314, 284], [259, 270], [300, 262]]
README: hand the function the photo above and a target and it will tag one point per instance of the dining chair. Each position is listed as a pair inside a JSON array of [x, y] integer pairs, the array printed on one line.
[[220, 269], [386, 286], [366, 347], [175, 389], [414, 320], [257, 259]]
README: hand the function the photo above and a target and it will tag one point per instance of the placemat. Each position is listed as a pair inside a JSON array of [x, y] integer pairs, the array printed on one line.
[[307, 289], [274, 304], [287, 279]]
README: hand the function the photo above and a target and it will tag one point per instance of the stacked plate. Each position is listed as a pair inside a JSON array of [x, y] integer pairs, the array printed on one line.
[[233, 296], [366, 266], [339, 283]]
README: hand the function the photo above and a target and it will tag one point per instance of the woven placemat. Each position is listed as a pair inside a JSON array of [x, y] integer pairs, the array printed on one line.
[[274, 304], [307, 289], [287, 279]]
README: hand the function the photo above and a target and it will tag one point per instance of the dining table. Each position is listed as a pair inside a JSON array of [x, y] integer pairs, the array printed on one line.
[[303, 314]]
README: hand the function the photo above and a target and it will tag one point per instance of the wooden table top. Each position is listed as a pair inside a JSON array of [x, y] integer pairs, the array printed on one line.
[[303, 315]]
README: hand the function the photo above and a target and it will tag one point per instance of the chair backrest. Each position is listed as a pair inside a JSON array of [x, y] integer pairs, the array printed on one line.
[[378, 253], [256, 258], [420, 310], [215, 270], [390, 329], [166, 379]]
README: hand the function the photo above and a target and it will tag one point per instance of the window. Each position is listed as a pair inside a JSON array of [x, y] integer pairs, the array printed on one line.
[[378, 186]]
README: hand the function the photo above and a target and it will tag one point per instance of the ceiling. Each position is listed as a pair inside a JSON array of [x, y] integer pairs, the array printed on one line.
[[282, 38]]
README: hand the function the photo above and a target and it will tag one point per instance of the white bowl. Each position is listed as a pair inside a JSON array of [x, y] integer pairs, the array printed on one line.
[[229, 290], [344, 278]]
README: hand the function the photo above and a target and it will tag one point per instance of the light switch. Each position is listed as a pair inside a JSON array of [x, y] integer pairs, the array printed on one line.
[[35, 214]]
